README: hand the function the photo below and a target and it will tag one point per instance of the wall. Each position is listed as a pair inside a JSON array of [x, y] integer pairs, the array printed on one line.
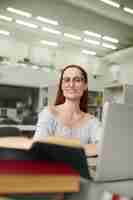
[[26, 77], [12, 48]]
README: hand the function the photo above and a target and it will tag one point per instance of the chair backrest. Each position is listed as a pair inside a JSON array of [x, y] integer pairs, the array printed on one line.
[[8, 121], [9, 131], [29, 120]]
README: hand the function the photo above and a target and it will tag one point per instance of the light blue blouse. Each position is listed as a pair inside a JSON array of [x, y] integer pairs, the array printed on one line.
[[49, 125]]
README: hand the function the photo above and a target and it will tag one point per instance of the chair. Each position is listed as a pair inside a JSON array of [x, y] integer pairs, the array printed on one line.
[[8, 121], [9, 131], [30, 120]]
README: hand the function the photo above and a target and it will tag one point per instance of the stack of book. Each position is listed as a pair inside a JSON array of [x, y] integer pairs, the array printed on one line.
[[31, 167], [20, 176]]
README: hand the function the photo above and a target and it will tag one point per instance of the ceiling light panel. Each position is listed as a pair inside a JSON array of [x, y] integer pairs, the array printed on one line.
[[129, 10], [111, 3], [75, 37], [51, 30], [9, 19], [26, 24], [110, 39], [46, 20], [93, 53], [109, 46], [3, 32], [92, 34], [35, 67], [55, 44], [95, 42], [22, 65], [46, 69], [19, 12]]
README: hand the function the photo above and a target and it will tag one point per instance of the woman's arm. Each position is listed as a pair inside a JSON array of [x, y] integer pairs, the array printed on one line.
[[44, 127]]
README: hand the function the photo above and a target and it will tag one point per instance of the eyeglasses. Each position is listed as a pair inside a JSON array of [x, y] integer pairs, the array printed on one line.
[[75, 79]]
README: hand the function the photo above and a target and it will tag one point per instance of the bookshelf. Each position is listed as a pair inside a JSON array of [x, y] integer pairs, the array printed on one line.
[[121, 93], [95, 103]]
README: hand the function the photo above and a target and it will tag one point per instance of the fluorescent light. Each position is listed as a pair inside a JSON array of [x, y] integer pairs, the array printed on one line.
[[35, 67], [26, 24], [75, 37], [49, 43], [6, 18], [110, 39], [4, 62], [51, 30], [89, 52], [92, 41], [19, 12], [23, 65], [3, 32], [129, 10], [46, 69], [111, 3], [92, 34], [109, 46], [46, 20]]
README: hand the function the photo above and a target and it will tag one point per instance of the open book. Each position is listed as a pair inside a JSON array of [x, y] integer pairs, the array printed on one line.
[[52, 165]]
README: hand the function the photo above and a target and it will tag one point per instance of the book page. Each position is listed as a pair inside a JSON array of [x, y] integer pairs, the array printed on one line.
[[26, 143], [61, 141]]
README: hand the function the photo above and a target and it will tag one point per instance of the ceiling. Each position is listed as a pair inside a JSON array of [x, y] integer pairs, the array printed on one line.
[[74, 16]]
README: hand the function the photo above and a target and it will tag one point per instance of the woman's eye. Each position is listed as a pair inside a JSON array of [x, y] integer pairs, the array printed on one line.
[[66, 80], [78, 80]]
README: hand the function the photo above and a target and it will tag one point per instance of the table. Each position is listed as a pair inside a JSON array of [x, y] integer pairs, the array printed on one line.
[[91, 190]]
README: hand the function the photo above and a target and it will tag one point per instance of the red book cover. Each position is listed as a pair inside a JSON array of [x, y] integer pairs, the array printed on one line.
[[36, 167], [54, 158]]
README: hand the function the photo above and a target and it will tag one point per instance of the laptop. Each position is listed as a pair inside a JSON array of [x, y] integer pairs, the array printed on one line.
[[115, 160]]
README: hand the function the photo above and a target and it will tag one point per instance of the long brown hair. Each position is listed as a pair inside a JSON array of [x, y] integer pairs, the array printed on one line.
[[60, 99]]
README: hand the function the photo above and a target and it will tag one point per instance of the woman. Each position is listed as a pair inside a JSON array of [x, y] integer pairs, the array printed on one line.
[[69, 116]]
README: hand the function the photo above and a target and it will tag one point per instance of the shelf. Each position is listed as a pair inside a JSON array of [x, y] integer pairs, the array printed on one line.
[[95, 103], [92, 105], [122, 93]]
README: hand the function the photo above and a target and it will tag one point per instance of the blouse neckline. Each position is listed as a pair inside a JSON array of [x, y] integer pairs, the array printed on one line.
[[82, 125]]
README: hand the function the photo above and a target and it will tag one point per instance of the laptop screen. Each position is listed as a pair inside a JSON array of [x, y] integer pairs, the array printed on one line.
[[115, 147]]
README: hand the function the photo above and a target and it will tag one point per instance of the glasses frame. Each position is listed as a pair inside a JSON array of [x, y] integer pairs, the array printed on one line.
[[76, 79]]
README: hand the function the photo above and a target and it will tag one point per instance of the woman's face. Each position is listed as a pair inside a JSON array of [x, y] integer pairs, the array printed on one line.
[[73, 84]]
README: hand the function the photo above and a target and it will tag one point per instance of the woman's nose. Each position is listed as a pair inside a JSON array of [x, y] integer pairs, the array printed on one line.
[[71, 83]]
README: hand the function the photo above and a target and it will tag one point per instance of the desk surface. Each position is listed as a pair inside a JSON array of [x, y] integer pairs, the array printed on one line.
[[26, 127]]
